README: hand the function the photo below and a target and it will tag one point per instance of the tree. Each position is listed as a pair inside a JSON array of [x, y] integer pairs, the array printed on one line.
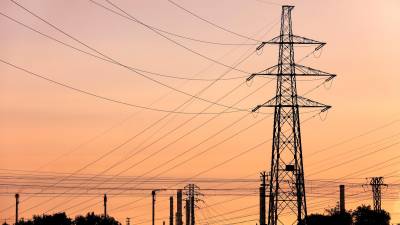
[[338, 218], [332, 217], [364, 215], [317, 219], [55, 219], [93, 219], [25, 222], [62, 219]]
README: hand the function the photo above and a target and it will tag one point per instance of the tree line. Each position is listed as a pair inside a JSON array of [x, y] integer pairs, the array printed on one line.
[[362, 215], [62, 219]]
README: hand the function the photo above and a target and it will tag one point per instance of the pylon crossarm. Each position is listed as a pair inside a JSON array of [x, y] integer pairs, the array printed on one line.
[[301, 102], [300, 70], [271, 71], [294, 39], [307, 103], [308, 71], [269, 103]]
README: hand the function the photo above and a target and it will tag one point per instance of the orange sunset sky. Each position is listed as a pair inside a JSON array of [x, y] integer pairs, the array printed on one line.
[[49, 130]]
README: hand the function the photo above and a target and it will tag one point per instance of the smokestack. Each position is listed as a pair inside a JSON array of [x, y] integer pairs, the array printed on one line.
[[105, 205], [262, 199], [153, 202], [171, 210], [179, 208], [187, 212], [16, 208], [342, 200]]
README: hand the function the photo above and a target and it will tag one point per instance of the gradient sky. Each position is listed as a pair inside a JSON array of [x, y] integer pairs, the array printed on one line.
[[41, 121]]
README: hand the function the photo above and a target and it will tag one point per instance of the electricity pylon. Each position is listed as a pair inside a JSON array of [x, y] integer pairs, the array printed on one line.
[[376, 183], [193, 195], [287, 198]]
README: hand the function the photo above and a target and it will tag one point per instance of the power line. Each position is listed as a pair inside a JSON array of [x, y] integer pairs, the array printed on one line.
[[130, 68], [349, 151], [355, 158], [209, 22], [171, 40], [371, 167], [152, 154], [363, 170], [269, 2], [229, 159], [145, 129], [35, 206], [118, 163], [210, 148], [163, 148], [103, 97], [357, 136], [179, 77], [29, 183], [172, 33]]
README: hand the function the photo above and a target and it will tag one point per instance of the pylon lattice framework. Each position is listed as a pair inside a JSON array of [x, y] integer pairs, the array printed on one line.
[[286, 185], [376, 184], [192, 193]]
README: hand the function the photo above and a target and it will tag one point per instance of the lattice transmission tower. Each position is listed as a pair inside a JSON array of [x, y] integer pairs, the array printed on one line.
[[376, 183], [287, 198], [193, 196]]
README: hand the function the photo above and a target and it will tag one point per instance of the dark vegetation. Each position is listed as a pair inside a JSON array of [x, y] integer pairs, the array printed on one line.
[[63, 219], [363, 215]]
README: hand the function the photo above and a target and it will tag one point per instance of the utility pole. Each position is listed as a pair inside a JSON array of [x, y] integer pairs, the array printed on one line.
[[342, 206], [171, 210], [286, 185], [179, 207], [376, 183], [187, 207], [262, 198], [153, 205], [105, 205], [128, 221], [16, 208]]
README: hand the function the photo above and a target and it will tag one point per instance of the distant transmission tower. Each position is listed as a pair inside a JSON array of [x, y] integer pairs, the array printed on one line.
[[287, 199], [193, 194], [376, 183]]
